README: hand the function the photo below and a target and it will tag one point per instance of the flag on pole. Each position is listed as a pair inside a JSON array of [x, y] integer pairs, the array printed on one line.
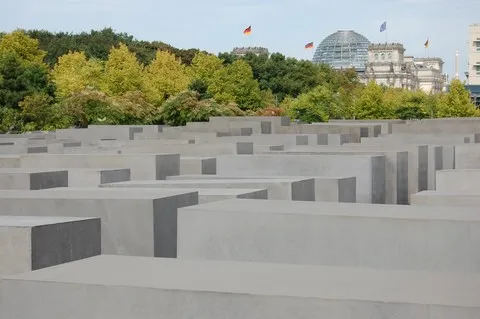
[[248, 30], [309, 45], [426, 43], [383, 27]]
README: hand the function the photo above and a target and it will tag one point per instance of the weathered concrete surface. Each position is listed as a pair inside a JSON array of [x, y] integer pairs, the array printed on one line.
[[216, 290]]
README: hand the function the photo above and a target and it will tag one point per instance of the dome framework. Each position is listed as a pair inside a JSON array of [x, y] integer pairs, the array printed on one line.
[[343, 49]]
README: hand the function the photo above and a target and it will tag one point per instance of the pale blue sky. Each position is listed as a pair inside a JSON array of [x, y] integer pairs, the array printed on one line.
[[280, 25]]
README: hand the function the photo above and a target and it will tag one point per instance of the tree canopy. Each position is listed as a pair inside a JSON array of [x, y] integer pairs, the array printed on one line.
[[56, 80]]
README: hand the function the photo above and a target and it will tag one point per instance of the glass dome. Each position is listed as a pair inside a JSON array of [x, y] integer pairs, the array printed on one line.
[[343, 49]]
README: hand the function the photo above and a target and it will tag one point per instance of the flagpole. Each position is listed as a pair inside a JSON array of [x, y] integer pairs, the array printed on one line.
[[386, 36]]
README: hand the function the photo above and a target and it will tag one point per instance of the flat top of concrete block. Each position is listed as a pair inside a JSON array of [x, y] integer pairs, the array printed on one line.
[[97, 154], [469, 193], [218, 191], [195, 157], [213, 176], [343, 209], [93, 193], [9, 156], [32, 221], [95, 169], [30, 170], [212, 181], [333, 156], [267, 279]]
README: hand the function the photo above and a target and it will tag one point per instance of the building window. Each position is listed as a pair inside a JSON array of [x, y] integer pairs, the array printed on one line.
[[376, 56], [383, 56]]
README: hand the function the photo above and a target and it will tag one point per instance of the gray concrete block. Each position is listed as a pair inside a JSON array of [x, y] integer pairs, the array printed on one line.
[[32, 179], [92, 177], [29, 243], [458, 180], [198, 165], [337, 234], [396, 167], [369, 170], [327, 189], [207, 195], [288, 189], [450, 198], [134, 222], [181, 289], [142, 166], [467, 156]]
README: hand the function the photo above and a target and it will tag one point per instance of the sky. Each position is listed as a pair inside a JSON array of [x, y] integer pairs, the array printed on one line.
[[283, 26]]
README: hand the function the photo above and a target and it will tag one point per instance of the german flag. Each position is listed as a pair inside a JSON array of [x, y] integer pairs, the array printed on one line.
[[248, 30], [309, 45], [426, 43]]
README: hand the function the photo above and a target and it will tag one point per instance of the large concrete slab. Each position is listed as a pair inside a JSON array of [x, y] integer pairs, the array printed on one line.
[[369, 170], [183, 289], [29, 242], [396, 167], [327, 189], [458, 180], [134, 222], [142, 166], [288, 189], [32, 179], [92, 177], [206, 195], [339, 234], [448, 198], [198, 165]]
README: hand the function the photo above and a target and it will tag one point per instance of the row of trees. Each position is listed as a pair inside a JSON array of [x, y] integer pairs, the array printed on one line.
[[50, 81]]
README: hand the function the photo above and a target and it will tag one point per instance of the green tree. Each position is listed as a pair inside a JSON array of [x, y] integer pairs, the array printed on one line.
[[22, 45], [204, 66], [456, 103], [74, 73], [18, 79], [132, 108], [123, 73], [164, 77], [235, 83], [316, 105], [36, 108], [370, 104]]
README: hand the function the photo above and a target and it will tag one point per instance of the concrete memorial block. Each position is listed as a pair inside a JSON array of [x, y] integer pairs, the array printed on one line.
[[198, 165], [355, 131], [9, 161], [337, 234], [92, 177], [302, 189], [28, 243], [22, 149], [206, 195], [458, 180], [134, 222], [182, 289], [386, 125], [334, 139], [369, 170], [277, 122], [448, 198], [396, 168], [417, 161], [32, 179], [327, 189], [465, 125], [142, 166], [467, 156]]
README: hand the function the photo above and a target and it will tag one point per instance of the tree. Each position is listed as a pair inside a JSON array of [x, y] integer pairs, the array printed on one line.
[[134, 109], [235, 83], [89, 107], [123, 73], [456, 103], [370, 104], [74, 73], [22, 45], [187, 107], [204, 66], [316, 105], [18, 79], [37, 111], [164, 77]]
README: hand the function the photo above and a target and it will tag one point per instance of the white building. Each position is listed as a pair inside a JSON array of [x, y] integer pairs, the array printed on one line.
[[387, 65], [473, 72]]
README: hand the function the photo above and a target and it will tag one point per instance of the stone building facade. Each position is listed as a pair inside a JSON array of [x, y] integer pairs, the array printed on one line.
[[387, 65]]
